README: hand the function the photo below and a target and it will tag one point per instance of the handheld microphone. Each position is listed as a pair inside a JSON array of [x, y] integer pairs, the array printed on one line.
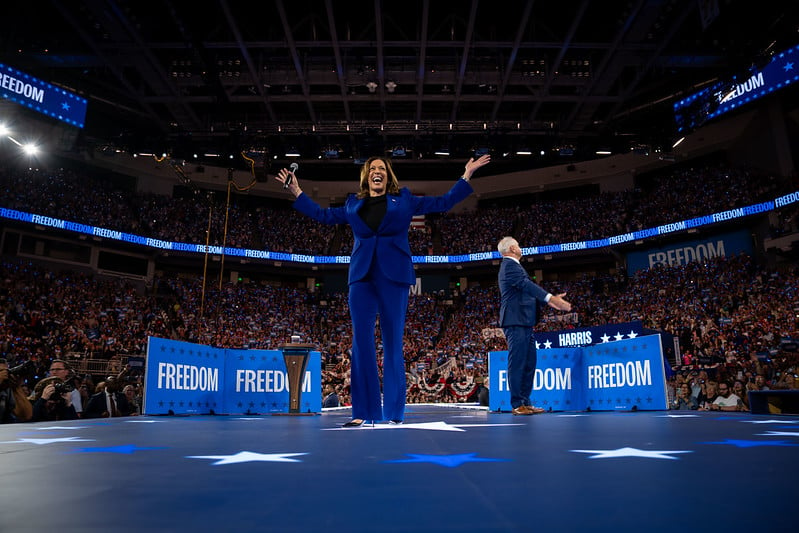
[[293, 167]]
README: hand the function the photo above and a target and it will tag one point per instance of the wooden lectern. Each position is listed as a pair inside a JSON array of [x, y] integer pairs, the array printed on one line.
[[295, 355]]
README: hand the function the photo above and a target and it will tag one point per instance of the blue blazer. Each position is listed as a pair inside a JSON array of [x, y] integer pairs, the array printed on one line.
[[388, 246], [520, 295]]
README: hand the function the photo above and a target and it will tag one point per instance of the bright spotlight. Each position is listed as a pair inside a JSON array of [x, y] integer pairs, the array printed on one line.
[[30, 149]]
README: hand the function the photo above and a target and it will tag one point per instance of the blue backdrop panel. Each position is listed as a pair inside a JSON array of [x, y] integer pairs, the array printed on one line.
[[256, 382], [555, 385], [625, 374], [615, 375], [584, 336], [182, 377], [187, 378]]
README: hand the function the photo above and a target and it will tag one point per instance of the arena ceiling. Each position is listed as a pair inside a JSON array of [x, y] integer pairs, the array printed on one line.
[[354, 78]]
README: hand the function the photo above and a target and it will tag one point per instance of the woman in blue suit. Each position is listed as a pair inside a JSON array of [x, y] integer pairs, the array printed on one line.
[[380, 274]]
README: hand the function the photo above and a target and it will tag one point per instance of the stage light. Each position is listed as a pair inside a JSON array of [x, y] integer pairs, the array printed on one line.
[[30, 149], [372, 86], [391, 86]]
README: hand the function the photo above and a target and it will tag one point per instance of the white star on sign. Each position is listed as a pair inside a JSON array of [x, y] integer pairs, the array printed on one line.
[[548, 345], [618, 336], [537, 345], [605, 338], [632, 452], [632, 335], [246, 457], [48, 441], [430, 426]]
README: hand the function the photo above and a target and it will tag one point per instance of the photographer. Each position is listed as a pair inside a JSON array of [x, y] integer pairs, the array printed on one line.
[[14, 406], [62, 370], [53, 401], [7, 404]]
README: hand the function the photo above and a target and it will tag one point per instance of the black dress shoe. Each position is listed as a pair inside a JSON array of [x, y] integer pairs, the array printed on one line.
[[354, 423]]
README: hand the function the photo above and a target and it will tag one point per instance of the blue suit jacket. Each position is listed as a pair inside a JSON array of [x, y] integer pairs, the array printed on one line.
[[388, 246], [520, 295]]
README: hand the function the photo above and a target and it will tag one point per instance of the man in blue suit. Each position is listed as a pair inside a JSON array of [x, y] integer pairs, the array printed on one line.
[[518, 313], [380, 274]]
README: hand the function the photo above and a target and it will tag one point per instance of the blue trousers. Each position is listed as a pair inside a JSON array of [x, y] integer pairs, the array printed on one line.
[[368, 298], [522, 361]]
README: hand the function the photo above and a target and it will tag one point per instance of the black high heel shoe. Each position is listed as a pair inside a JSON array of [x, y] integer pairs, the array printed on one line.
[[354, 423]]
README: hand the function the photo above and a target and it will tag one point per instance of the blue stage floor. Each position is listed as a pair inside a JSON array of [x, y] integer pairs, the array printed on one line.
[[445, 469]]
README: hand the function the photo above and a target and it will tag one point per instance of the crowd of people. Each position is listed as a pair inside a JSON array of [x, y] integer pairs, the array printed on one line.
[[736, 320], [250, 222]]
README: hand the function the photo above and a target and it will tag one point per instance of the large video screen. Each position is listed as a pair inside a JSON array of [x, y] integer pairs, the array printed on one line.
[[41, 96], [722, 96]]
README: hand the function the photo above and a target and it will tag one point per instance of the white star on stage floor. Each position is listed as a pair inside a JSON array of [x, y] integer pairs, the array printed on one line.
[[246, 457], [48, 441], [145, 421], [430, 426], [632, 452], [569, 416], [770, 421], [780, 434], [48, 428], [679, 416]]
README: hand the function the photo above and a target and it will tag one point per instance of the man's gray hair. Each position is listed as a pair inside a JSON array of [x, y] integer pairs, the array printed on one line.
[[505, 244]]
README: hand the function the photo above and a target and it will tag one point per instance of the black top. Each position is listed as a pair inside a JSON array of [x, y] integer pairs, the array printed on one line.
[[373, 211]]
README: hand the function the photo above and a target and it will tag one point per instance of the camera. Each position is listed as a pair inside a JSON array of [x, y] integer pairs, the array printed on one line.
[[20, 370], [63, 387]]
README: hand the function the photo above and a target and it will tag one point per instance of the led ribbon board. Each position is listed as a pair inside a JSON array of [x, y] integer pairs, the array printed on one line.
[[41, 96], [665, 229]]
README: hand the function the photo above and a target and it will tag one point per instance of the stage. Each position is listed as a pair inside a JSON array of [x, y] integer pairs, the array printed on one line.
[[448, 468]]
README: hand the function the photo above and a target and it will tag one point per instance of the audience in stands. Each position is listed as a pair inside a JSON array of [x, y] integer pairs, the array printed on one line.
[[736, 319]]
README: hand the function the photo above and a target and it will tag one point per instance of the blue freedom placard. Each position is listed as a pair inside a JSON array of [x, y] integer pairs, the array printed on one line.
[[257, 382], [625, 374], [186, 378], [618, 375], [556, 385]]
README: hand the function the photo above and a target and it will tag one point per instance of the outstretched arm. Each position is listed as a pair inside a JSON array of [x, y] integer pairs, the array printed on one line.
[[559, 303], [473, 164], [286, 176]]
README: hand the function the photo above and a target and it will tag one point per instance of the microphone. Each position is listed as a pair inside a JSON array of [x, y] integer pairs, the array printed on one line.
[[293, 167]]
